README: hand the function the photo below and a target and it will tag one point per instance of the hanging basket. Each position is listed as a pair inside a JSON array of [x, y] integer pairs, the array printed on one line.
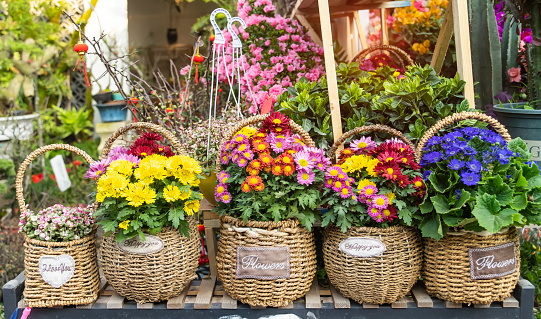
[[290, 244], [156, 274], [384, 275], [287, 237], [73, 278], [402, 59], [448, 263]]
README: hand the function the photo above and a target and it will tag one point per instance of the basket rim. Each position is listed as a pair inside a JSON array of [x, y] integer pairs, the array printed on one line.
[[390, 229], [87, 238], [291, 222]]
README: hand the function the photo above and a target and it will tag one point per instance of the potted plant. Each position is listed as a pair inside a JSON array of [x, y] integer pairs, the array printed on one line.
[[371, 253], [7, 174], [268, 194], [148, 197], [480, 185], [523, 120], [60, 263]]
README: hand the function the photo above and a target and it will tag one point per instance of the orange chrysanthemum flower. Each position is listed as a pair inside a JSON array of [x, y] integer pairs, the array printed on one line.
[[259, 187], [277, 170], [266, 160], [289, 169], [260, 146], [245, 187], [252, 171], [253, 181]]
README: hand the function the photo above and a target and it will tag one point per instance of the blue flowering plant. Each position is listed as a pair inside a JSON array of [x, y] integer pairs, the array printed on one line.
[[477, 181]]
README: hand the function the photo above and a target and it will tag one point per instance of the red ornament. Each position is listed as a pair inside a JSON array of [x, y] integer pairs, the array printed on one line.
[[212, 37], [81, 48], [197, 59]]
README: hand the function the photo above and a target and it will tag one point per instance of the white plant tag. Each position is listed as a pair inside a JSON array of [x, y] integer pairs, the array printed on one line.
[[60, 173], [135, 245], [362, 247], [56, 270]]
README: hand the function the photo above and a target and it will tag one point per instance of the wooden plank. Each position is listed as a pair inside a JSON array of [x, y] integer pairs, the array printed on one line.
[[324, 292], [330, 68], [148, 305], [354, 40], [400, 304], [370, 306], [349, 49], [313, 299], [444, 39], [360, 30], [340, 302], [116, 301], [204, 297], [451, 305], [212, 248], [463, 49], [510, 302], [349, 8], [21, 304], [481, 306], [288, 306], [205, 205], [103, 283], [212, 223], [295, 8], [178, 302], [228, 302], [422, 299], [258, 307], [384, 30], [313, 34], [210, 215]]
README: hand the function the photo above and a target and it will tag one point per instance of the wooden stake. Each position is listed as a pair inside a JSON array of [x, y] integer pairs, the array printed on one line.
[[463, 49], [330, 68], [311, 31], [384, 31], [360, 30], [349, 50], [354, 40], [444, 38]]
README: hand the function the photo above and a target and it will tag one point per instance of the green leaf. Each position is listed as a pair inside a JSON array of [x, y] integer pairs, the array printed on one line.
[[431, 227], [441, 204], [306, 124], [426, 206], [488, 213], [496, 186], [517, 145], [519, 202], [531, 174], [176, 214], [440, 182]]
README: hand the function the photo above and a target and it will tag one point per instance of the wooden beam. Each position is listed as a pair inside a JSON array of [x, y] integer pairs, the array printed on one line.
[[349, 49], [346, 8], [311, 31], [463, 49], [330, 68], [354, 40], [384, 31], [444, 39], [360, 30]]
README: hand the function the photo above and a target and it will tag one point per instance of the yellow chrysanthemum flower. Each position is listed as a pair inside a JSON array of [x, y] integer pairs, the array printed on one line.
[[171, 193], [123, 167], [247, 131], [390, 196], [139, 193], [112, 184], [124, 225], [190, 207], [185, 195], [365, 182]]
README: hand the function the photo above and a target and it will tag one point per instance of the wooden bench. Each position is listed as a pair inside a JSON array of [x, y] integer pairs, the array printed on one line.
[[207, 299]]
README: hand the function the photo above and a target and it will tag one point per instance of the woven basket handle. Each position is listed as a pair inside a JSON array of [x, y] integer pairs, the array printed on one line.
[[142, 125], [260, 118], [32, 156], [403, 56], [496, 126], [368, 128]]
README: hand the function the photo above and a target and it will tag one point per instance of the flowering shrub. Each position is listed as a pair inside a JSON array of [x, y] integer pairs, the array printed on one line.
[[277, 52], [478, 181], [57, 223], [270, 174], [145, 192], [388, 190]]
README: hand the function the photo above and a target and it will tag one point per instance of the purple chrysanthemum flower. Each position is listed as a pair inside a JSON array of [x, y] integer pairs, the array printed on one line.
[[364, 144], [345, 192], [97, 168], [304, 160], [333, 172], [223, 176], [323, 163], [369, 191], [118, 150]]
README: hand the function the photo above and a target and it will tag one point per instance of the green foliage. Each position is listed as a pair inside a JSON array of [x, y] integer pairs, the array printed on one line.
[[11, 253], [530, 261], [71, 125], [33, 56], [410, 104], [7, 168]]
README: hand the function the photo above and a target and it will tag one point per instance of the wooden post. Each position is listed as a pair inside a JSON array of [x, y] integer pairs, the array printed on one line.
[[330, 68], [463, 50], [354, 40], [444, 38], [311, 32], [349, 50], [360, 30], [384, 31]]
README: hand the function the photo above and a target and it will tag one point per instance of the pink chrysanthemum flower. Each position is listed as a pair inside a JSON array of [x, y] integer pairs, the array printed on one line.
[[346, 192], [323, 163], [364, 144], [380, 202], [223, 177], [333, 172], [369, 191], [225, 157], [239, 139], [376, 214], [305, 177], [338, 185], [304, 161]]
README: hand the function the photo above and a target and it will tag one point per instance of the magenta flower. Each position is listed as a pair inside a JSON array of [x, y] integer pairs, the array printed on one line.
[[323, 163], [369, 191], [223, 177], [364, 144], [376, 214], [380, 202], [514, 75], [127, 157], [333, 172], [97, 169], [346, 192], [304, 161], [305, 177]]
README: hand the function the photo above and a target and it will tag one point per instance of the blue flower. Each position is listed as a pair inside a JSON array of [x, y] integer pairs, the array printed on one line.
[[474, 166], [451, 137], [508, 176], [455, 164], [433, 141], [426, 174], [488, 156], [458, 193], [470, 178], [504, 155], [433, 157], [452, 151]]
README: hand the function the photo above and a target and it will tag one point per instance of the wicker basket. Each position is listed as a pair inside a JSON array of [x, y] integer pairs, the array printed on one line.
[[380, 279], [403, 60], [376, 280], [236, 233], [161, 275], [82, 288], [446, 266], [259, 292]]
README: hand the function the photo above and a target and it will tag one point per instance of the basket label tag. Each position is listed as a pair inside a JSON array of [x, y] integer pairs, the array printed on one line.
[[56, 270], [60, 173], [534, 147], [263, 262], [493, 262], [362, 247], [135, 245]]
